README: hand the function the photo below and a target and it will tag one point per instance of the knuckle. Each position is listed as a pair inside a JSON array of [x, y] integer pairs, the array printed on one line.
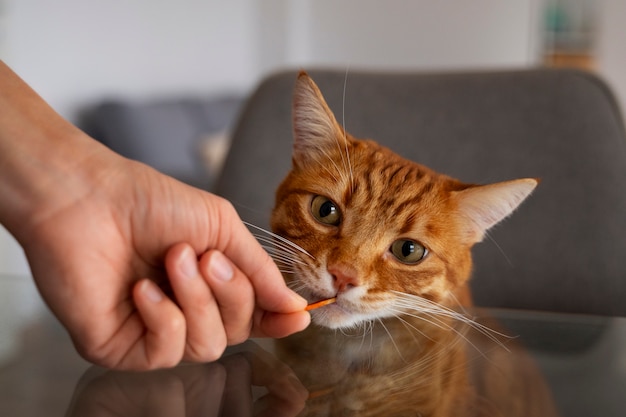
[[241, 335], [207, 352], [94, 351], [224, 208], [165, 362], [174, 325], [95, 356], [226, 205]]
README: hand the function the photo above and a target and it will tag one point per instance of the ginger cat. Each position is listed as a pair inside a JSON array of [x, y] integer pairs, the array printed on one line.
[[385, 235], [391, 240]]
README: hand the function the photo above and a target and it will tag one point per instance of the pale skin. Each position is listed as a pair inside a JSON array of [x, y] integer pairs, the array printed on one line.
[[105, 236]]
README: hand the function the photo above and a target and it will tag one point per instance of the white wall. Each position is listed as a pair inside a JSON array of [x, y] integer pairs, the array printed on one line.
[[401, 34], [424, 34], [74, 51], [611, 50], [12, 259]]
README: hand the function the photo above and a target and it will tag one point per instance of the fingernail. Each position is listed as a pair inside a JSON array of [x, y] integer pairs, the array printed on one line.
[[188, 264], [151, 291], [220, 268]]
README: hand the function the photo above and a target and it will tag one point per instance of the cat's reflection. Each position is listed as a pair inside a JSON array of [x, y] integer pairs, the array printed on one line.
[[423, 366], [410, 367]]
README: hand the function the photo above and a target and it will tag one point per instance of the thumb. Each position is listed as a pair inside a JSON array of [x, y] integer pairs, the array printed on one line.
[[240, 246]]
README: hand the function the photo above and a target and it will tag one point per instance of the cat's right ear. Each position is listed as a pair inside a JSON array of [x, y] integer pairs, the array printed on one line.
[[314, 125], [483, 206]]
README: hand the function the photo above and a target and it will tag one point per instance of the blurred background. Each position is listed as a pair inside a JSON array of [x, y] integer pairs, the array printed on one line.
[[107, 55]]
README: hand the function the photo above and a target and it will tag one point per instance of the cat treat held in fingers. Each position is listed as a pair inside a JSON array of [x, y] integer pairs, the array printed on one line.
[[383, 235]]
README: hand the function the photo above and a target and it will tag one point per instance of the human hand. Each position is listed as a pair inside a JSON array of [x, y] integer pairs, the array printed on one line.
[[96, 261]]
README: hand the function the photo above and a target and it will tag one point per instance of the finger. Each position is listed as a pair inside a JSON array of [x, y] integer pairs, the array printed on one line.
[[277, 325], [163, 343], [237, 243], [233, 292], [206, 336]]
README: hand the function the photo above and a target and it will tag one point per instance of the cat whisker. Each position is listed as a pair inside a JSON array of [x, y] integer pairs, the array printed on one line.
[[282, 263], [280, 238], [287, 259], [422, 363], [411, 327], [269, 246], [343, 123], [444, 312], [422, 307], [323, 164], [392, 340], [442, 325], [285, 268], [296, 285], [458, 303], [276, 247], [367, 328], [344, 331], [427, 305], [497, 245], [424, 316]]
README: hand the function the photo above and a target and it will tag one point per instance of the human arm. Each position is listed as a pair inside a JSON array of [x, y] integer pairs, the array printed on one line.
[[99, 231]]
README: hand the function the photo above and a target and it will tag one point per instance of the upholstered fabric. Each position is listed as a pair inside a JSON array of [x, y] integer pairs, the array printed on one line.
[[563, 250], [167, 134]]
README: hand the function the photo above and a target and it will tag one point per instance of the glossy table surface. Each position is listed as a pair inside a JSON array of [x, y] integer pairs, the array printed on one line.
[[512, 363]]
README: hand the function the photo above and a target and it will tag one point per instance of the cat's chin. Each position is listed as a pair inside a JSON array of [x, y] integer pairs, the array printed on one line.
[[335, 317], [337, 324]]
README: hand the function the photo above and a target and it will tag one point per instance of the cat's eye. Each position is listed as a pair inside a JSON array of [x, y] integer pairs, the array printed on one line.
[[408, 251], [325, 211]]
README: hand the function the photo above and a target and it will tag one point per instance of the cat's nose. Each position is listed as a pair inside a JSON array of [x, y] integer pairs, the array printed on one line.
[[344, 277]]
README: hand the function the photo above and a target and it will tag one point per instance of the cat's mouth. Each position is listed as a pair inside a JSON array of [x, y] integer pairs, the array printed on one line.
[[323, 300], [321, 303], [342, 313], [325, 303]]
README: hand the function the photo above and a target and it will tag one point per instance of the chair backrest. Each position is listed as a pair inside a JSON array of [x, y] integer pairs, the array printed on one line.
[[563, 250]]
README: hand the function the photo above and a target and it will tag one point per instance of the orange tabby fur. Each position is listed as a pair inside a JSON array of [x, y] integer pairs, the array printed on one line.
[[381, 198]]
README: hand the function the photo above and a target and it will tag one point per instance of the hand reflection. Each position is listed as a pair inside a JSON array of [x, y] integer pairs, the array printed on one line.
[[222, 388]]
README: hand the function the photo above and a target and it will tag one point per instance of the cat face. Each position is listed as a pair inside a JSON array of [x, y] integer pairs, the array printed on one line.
[[385, 235]]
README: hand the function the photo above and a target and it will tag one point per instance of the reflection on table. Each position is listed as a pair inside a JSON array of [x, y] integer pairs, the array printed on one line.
[[426, 366]]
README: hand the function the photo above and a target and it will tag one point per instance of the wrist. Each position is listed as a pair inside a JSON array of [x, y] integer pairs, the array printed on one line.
[[45, 162]]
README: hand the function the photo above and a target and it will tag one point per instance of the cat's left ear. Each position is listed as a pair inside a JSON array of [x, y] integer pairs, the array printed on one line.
[[482, 207], [314, 124]]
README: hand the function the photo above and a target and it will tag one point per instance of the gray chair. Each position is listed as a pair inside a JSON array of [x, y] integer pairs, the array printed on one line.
[[563, 250], [167, 134]]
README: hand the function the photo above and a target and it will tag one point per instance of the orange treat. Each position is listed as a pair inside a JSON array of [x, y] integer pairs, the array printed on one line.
[[321, 303]]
